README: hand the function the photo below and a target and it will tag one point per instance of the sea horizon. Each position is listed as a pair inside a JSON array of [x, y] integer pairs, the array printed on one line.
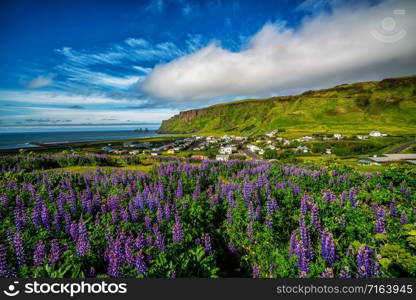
[[19, 137]]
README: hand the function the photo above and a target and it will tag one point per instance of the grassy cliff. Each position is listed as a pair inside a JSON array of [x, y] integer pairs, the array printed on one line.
[[388, 105]]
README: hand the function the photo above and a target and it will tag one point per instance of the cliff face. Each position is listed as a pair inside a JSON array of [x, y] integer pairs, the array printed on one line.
[[390, 102]]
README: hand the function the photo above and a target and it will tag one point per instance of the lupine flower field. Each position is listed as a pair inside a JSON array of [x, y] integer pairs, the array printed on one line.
[[207, 219]]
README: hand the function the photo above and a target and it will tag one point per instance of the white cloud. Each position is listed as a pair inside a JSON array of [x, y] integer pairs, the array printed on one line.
[[62, 98], [41, 81], [327, 49]]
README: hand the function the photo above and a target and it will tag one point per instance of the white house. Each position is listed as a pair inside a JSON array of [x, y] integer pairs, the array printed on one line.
[[253, 148], [303, 149], [107, 148], [328, 151], [134, 152], [305, 139], [226, 150], [222, 157], [338, 136], [375, 133], [362, 137], [271, 133]]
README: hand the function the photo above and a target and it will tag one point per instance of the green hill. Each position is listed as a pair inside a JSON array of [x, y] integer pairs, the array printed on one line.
[[388, 105]]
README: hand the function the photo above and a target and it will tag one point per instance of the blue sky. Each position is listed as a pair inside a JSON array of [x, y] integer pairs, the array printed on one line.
[[103, 62]]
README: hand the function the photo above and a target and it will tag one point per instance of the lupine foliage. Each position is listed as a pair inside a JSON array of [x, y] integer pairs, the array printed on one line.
[[211, 219]]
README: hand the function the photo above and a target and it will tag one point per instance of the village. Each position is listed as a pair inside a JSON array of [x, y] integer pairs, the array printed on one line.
[[269, 146]]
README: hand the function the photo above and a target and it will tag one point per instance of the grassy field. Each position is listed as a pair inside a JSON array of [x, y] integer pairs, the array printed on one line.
[[388, 106], [85, 169]]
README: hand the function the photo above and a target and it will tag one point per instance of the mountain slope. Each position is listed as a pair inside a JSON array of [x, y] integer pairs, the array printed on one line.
[[388, 105]]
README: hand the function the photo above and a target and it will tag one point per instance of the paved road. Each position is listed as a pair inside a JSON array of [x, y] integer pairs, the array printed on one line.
[[401, 148], [251, 154]]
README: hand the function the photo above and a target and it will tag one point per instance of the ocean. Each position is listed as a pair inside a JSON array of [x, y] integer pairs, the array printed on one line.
[[10, 140]]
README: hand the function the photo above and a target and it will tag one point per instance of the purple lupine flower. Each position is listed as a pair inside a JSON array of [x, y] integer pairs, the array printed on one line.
[[39, 254], [67, 221], [124, 215], [19, 249], [139, 241], [390, 187], [232, 248], [149, 241], [19, 215], [345, 273], [179, 190], [115, 258], [304, 204], [160, 242], [248, 187], [114, 267], [173, 275], [367, 265], [380, 220], [73, 231], [305, 238], [140, 263], [303, 261], [256, 271], [147, 222], [258, 213], [55, 253], [328, 247], [133, 211], [3, 261], [342, 199], [403, 218], [57, 221], [328, 273], [83, 244], [293, 244], [45, 216], [353, 199], [128, 251], [207, 244], [166, 210], [393, 209], [159, 215], [231, 200], [177, 232], [315, 217]]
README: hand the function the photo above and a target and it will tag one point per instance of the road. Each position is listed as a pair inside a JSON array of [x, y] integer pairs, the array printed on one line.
[[401, 148], [251, 154]]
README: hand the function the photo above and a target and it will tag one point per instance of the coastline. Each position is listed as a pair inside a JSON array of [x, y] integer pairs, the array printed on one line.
[[91, 144]]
